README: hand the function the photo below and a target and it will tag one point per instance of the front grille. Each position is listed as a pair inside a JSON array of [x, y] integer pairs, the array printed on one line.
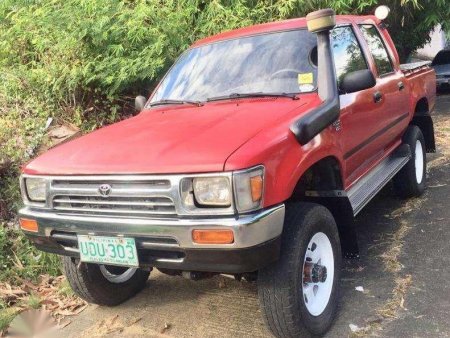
[[114, 205], [133, 198]]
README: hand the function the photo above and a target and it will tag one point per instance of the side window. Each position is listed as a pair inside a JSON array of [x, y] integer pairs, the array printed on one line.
[[348, 56], [377, 49]]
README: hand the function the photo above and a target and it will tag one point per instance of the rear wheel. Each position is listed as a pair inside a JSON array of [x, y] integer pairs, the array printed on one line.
[[104, 284], [410, 180], [299, 293]]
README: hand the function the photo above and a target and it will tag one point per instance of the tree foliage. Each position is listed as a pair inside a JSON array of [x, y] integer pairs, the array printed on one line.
[[411, 22]]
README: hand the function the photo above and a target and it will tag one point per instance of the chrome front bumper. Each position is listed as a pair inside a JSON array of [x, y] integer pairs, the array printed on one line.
[[167, 243], [249, 230]]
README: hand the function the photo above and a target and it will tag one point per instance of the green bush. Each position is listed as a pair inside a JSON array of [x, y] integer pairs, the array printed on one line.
[[19, 258]]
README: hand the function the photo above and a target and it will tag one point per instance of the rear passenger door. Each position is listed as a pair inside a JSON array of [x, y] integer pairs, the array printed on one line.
[[391, 90]]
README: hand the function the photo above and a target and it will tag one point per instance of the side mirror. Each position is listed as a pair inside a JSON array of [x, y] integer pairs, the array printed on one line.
[[357, 81], [139, 103]]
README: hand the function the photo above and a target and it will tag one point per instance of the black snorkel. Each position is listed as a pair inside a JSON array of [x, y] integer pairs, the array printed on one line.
[[317, 119]]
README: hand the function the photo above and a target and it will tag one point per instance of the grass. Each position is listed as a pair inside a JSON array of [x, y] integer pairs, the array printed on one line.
[[6, 317], [33, 302], [65, 289], [19, 259]]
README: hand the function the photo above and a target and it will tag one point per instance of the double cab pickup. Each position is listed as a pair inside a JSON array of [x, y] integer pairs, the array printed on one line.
[[250, 158]]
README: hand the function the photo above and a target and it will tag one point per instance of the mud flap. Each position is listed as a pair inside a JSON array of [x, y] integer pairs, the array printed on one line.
[[340, 207], [343, 214]]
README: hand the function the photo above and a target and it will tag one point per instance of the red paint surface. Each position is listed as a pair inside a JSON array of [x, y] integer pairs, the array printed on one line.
[[237, 134]]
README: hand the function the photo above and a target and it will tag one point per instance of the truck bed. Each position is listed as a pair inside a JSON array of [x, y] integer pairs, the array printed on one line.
[[414, 67]]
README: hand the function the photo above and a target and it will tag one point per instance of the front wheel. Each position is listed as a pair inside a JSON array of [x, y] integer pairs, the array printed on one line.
[[103, 284], [299, 293]]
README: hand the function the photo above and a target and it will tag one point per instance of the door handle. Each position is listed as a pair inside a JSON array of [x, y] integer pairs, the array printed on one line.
[[377, 96], [401, 86]]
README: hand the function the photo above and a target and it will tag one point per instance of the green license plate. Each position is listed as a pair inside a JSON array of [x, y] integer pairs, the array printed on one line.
[[108, 250]]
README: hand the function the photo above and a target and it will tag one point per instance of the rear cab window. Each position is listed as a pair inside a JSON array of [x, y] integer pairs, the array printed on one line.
[[378, 49]]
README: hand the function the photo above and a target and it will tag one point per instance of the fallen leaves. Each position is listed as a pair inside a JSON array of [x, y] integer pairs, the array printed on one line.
[[442, 125], [58, 134], [60, 305], [391, 255], [10, 294], [390, 309]]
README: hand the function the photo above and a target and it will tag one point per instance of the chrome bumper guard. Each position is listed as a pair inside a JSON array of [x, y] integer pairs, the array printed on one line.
[[249, 230]]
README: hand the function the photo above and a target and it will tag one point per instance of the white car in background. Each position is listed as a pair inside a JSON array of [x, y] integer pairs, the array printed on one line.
[[441, 65]]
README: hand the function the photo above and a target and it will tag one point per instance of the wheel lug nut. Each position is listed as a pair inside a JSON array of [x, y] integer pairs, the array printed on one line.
[[314, 273]]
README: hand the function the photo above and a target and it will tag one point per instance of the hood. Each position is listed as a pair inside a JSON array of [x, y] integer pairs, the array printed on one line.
[[442, 69], [168, 139]]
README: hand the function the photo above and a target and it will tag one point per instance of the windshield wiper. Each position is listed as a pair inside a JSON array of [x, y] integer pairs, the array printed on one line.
[[170, 101], [255, 94]]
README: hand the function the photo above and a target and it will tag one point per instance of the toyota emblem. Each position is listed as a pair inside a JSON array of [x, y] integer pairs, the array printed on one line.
[[105, 190]]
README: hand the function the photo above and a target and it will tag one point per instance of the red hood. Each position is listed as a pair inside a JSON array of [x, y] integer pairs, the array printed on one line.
[[166, 140]]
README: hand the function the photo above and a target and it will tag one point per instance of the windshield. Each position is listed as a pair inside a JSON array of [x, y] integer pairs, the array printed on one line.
[[280, 62], [442, 58]]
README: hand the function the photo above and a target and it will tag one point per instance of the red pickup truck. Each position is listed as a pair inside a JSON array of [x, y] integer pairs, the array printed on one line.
[[248, 159]]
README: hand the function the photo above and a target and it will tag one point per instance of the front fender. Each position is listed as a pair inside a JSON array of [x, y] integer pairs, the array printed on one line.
[[284, 158]]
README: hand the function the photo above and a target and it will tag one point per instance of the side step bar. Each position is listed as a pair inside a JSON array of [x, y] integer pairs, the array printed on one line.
[[369, 185]]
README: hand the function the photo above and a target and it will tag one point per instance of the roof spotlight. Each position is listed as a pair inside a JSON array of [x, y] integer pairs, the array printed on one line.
[[382, 12]]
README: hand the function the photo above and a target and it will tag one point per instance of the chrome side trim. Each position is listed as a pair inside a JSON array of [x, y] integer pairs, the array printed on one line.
[[249, 230]]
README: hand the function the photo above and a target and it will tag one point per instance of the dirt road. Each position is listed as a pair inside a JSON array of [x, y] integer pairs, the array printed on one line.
[[404, 271]]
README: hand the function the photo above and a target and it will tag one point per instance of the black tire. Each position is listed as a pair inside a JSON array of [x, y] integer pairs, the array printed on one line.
[[88, 282], [280, 285], [406, 183]]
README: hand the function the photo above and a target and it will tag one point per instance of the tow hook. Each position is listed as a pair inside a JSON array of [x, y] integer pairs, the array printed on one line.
[[314, 273]]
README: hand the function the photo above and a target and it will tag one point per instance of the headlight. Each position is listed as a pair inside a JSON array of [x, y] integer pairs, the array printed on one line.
[[249, 189], [212, 191], [35, 189]]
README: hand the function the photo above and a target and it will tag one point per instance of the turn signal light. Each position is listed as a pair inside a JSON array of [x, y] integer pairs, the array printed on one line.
[[28, 225], [213, 236], [256, 183]]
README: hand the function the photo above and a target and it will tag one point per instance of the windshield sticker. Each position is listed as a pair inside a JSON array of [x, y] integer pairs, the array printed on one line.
[[306, 82], [306, 88], [305, 78]]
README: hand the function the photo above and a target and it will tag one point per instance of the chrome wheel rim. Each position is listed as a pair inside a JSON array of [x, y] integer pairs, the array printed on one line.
[[117, 278], [418, 163], [317, 274]]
